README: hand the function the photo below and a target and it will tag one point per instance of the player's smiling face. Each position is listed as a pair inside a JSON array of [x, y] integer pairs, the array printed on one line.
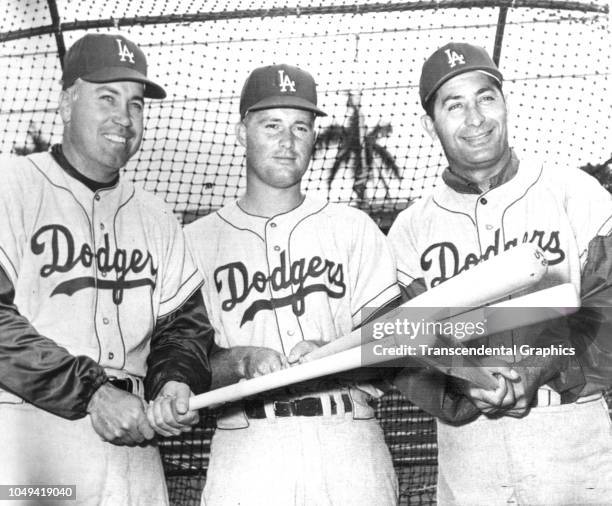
[[279, 144], [470, 120], [103, 125]]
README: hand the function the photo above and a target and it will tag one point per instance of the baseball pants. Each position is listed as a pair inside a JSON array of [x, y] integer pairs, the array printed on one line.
[[301, 461], [556, 455], [43, 449]]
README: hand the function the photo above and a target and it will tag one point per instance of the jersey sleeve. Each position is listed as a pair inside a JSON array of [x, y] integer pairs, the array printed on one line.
[[181, 345], [196, 239], [12, 216], [39, 371], [372, 270], [589, 208], [403, 245], [591, 327], [180, 276], [33, 366]]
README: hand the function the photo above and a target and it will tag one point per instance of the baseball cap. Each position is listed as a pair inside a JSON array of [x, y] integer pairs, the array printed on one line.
[[451, 60], [281, 86], [103, 58]]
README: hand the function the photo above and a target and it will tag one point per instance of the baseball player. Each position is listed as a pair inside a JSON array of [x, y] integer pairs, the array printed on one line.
[[526, 442], [285, 273], [99, 298]]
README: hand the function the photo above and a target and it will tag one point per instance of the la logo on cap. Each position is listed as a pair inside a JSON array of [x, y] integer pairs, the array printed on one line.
[[124, 52], [454, 58], [285, 82]]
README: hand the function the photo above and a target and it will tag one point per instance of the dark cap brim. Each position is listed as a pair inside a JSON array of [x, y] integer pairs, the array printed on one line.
[[286, 102], [113, 74], [494, 73]]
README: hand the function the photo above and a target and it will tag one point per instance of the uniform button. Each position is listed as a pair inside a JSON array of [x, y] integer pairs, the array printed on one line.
[[103, 273], [483, 201], [273, 225], [111, 355], [97, 197], [101, 226], [276, 248], [105, 321], [489, 227], [290, 332]]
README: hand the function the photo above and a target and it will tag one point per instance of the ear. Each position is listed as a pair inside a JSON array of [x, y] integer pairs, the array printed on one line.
[[429, 126], [241, 134], [65, 105]]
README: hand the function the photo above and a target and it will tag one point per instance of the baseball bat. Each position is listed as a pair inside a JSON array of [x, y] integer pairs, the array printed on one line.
[[536, 307], [514, 270], [353, 357]]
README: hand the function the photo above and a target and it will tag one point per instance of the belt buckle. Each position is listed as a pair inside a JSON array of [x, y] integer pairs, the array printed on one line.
[[546, 397], [125, 384], [307, 406], [284, 408]]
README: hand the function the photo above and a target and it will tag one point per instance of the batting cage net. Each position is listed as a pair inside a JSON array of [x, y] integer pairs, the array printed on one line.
[[371, 150]]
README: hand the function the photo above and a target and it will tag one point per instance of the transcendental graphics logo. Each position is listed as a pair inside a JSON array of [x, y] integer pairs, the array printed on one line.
[[433, 335]]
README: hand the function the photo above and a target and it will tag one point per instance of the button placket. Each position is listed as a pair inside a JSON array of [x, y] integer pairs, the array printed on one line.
[[105, 323], [287, 321], [488, 222]]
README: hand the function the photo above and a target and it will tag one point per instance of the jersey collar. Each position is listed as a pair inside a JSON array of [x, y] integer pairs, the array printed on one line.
[[58, 155], [461, 184], [233, 214], [502, 195]]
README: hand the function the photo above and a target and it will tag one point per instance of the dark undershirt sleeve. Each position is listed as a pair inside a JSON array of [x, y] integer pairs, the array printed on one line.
[[37, 369], [428, 388], [180, 349], [590, 329]]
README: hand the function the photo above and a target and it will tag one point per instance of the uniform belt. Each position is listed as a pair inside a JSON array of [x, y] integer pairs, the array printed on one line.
[[132, 385], [122, 384], [307, 406], [546, 397]]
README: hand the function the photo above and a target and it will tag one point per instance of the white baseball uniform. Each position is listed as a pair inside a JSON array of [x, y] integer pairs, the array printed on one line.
[[92, 274], [273, 282], [438, 237]]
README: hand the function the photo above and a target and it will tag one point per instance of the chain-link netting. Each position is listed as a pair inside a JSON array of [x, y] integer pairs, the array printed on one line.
[[366, 59], [372, 152]]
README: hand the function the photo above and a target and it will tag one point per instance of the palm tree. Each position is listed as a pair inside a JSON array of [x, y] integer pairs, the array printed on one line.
[[359, 149], [37, 143]]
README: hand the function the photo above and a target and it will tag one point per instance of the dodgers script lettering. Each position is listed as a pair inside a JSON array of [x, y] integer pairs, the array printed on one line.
[[235, 278], [445, 257], [65, 256]]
